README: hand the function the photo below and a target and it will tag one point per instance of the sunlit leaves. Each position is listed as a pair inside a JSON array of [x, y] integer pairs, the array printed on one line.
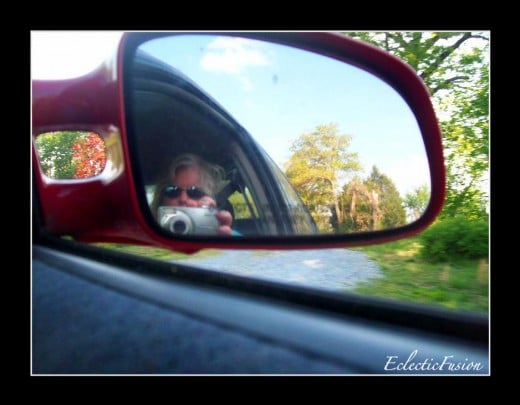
[[371, 204], [455, 68], [325, 172], [55, 154], [71, 154], [320, 161], [416, 201], [89, 155]]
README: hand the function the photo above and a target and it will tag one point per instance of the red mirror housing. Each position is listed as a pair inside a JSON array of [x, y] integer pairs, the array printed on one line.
[[109, 207]]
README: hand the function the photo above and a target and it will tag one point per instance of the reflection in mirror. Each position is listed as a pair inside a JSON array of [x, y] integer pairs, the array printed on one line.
[[71, 154], [336, 150]]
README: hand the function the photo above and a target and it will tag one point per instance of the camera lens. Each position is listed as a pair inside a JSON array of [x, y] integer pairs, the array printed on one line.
[[180, 223], [179, 227]]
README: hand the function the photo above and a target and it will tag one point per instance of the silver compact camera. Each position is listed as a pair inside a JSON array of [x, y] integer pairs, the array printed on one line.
[[189, 220]]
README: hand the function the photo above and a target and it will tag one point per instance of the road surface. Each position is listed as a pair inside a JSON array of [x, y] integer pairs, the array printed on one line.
[[331, 269]]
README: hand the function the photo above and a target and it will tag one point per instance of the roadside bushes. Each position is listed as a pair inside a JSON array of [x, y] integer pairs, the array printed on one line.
[[455, 238]]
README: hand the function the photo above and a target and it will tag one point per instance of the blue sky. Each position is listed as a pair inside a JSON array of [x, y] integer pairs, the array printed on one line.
[[277, 93]]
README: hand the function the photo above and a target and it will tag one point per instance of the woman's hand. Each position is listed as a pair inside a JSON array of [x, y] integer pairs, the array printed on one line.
[[224, 217]]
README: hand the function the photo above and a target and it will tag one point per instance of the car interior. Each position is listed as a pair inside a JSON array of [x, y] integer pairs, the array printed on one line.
[[172, 116]]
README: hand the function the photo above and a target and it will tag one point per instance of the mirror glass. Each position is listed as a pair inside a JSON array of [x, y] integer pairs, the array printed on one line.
[[301, 143], [67, 155]]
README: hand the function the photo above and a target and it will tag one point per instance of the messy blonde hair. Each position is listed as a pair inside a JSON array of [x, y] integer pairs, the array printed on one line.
[[210, 175]]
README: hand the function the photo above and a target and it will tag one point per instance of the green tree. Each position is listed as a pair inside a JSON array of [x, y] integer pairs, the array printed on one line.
[[55, 152], [71, 154], [357, 206], [466, 142], [389, 212], [455, 68], [371, 204], [317, 168], [416, 201]]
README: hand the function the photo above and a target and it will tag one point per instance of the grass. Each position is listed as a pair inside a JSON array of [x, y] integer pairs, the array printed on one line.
[[155, 252], [457, 284]]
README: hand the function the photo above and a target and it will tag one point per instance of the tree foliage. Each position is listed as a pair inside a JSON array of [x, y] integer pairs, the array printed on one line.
[[455, 238], [319, 163], [391, 210], [416, 201], [55, 154], [371, 204], [455, 68], [359, 208], [466, 142], [89, 155], [71, 154]]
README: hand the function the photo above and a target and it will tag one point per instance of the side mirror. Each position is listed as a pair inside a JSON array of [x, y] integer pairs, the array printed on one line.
[[318, 139]]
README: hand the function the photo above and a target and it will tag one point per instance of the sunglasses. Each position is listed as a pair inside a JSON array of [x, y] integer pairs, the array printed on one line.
[[195, 193]]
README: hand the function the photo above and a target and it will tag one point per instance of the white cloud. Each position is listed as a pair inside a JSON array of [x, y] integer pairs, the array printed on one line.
[[233, 55]]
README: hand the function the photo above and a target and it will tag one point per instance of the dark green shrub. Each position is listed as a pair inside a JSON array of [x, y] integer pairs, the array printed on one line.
[[455, 238]]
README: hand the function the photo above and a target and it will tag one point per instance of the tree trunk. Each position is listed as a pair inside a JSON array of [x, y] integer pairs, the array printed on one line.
[[374, 201], [339, 213], [353, 206]]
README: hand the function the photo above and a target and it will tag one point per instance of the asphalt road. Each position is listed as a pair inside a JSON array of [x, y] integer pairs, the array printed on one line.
[[330, 269]]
